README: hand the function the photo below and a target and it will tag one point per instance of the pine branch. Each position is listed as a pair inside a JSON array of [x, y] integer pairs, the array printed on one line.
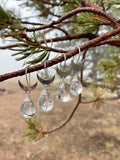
[[69, 54], [74, 12], [57, 39]]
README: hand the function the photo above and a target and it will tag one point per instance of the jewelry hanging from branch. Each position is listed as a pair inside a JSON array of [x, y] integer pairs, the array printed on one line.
[[76, 86], [45, 101], [27, 107], [62, 95]]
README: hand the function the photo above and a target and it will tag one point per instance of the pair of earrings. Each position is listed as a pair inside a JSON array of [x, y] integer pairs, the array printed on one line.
[[45, 102], [62, 94]]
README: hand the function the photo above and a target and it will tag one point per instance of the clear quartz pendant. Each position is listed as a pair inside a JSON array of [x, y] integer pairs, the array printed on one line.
[[45, 102], [27, 108], [62, 95], [76, 86]]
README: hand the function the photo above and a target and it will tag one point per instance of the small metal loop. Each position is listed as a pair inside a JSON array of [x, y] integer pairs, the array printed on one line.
[[26, 68], [27, 78], [64, 59], [79, 53], [63, 71], [45, 65]]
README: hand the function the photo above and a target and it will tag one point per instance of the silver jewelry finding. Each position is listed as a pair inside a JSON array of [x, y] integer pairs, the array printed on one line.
[[76, 67], [63, 71], [46, 80], [27, 108], [27, 88]]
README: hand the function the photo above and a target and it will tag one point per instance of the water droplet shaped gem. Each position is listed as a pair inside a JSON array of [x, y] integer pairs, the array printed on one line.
[[45, 102], [27, 108], [76, 86], [62, 94]]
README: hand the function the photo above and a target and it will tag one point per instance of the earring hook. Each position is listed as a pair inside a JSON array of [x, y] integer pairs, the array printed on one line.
[[27, 78], [64, 59], [79, 53], [46, 72]]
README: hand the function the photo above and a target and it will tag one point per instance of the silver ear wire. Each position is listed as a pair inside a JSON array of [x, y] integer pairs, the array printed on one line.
[[27, 80], [79, 54], [76, 86], [64, 59], [76, 67], [46, 73], [62, 94]]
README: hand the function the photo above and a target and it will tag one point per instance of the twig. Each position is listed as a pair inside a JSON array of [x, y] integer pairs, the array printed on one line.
[[86, 84], [102, 4], [89, 101], [63, 30], [75, 11], [32, 23], [71, 37], [69, 118], [100, 39], [113, 42], [50, 3], [114, 65], [57, 39]]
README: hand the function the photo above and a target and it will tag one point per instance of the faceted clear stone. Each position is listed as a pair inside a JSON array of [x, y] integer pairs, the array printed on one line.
[[45, 102], [62, 95], [27, 108], [76, 86]]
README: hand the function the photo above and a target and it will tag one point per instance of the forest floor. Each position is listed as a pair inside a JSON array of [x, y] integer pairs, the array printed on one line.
[[90, 135]]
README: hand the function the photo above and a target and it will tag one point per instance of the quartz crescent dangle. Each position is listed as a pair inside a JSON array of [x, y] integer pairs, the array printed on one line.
[[27, 88], [27, 107], [76, 67], [62, 95], [45, 101], [76, 86]]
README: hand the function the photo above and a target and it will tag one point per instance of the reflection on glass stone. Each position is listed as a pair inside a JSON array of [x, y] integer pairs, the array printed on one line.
[[76, 86], [45, 102], [62, 95], [27, 108]]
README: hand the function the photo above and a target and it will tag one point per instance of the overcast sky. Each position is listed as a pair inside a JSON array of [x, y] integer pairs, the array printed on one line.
[[7, 62]]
